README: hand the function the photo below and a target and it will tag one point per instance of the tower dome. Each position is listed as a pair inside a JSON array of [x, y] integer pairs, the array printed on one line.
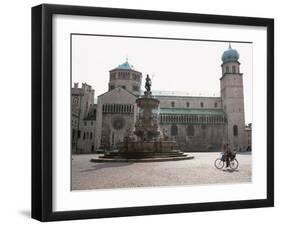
[[230, 55], [126, 66]]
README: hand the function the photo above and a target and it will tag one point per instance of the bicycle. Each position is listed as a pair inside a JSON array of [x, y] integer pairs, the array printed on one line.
[[233, 162]]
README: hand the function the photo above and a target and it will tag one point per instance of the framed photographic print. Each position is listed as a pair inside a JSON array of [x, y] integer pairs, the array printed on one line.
[[145, 112]]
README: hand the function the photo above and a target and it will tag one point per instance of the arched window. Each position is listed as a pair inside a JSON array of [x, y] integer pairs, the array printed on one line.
[[235, 130], [201, 104], [227, 69], [216, 104], [173, 104], [233, 69], [190, 131], [187, 104], [174, 130]]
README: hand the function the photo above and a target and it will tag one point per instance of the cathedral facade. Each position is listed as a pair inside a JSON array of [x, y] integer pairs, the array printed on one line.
[[196, 123]]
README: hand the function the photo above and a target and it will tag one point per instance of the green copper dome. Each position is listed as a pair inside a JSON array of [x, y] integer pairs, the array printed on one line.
[[126, 66], [230, 55]]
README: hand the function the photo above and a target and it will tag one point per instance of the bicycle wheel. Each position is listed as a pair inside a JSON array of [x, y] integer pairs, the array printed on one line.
[[234, 164], [219, 164]]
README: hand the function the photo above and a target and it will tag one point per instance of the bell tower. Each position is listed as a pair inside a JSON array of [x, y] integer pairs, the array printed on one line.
[[232, 96]]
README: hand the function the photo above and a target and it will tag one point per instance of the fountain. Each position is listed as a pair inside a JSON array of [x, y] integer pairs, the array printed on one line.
[[146, 142]]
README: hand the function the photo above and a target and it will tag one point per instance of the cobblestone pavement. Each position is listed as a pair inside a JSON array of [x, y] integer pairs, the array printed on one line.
[[200, 170]]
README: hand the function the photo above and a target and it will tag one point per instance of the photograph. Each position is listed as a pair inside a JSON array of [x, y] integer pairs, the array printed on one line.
[[141, 112], [158, 111]]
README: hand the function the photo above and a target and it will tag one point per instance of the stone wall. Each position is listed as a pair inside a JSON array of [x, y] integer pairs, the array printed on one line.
[[87, 138], [233, 105], [114, 128], [203, 138]]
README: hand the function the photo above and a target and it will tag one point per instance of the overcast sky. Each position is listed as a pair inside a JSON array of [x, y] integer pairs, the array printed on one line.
[[192, 67]]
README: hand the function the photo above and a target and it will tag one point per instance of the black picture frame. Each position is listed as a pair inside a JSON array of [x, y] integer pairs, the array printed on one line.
[[42, 111]]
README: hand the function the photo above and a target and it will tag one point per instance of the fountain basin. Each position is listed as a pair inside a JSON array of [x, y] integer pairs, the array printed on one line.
[[147, 146]]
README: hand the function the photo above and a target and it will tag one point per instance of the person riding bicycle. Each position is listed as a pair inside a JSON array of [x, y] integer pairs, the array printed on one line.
[[227, 158], [227, 154]]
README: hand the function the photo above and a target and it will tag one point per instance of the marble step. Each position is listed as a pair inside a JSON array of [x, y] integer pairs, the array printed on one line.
[[153, 159]]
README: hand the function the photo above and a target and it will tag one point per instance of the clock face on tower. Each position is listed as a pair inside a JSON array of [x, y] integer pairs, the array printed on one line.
[[118, 122]]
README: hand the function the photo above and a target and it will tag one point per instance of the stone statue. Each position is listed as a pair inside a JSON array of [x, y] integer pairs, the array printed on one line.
[[148, 84]]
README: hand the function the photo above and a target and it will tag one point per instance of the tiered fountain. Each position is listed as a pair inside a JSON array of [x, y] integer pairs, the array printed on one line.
[[146, 142]]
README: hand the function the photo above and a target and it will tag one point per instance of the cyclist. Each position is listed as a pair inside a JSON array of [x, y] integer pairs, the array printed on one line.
[[227, 154]]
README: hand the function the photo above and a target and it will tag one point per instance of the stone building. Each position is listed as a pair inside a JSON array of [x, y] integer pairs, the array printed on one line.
[[116, 109], [196, 123], [83, 118]]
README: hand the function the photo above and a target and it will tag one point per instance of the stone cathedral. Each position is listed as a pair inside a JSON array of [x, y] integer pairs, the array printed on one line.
[[196, 123]]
